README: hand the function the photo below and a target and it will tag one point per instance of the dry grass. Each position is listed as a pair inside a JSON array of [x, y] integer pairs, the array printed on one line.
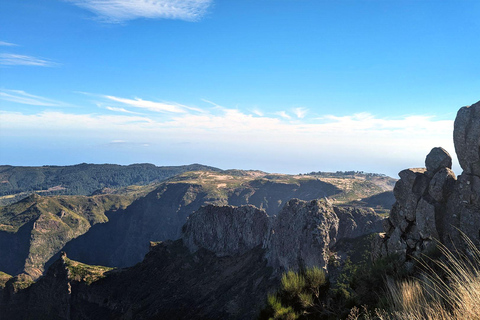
[[449, 289], [451, 292]]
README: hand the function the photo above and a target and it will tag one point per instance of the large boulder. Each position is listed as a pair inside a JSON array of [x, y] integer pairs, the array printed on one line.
[[436, 160]]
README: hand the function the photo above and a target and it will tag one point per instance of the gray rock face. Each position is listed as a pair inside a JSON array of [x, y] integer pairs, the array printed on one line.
[[437, 159], [414, 220], [463, 212], [354, 222], [466, 137], [432, 204], [231, 230], [301, 235]]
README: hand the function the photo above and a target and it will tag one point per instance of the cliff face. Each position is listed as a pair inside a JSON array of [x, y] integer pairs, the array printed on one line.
[[93, 230], [431, 203], [161, 214], [36, 228], [300, 235], [227, 261]]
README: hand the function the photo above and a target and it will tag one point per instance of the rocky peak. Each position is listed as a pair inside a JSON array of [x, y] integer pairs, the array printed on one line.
[[431, 204], [301, 235]]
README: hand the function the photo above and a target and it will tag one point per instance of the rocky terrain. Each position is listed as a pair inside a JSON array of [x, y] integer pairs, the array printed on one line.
[[228, 259], [431, 203], [114, 226], [36, 228]]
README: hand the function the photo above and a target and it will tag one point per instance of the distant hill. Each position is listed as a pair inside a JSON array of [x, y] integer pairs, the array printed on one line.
[[81, 179]]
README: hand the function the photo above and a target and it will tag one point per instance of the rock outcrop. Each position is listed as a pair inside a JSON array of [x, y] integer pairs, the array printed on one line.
[[301, 235], [226, 230], [431, 203]]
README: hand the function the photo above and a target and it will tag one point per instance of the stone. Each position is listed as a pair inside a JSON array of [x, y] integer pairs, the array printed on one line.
[[466, 137], [425, 222], [442, 184], [226, 230], [303, 233], [387, 226], [437, 159]]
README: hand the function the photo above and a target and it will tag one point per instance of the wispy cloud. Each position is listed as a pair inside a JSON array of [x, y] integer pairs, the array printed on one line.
[[151, 105], [122, 10], [257, 112], [22, 97], [300, 112], [283, 114], [12, 59], [120, 110], [7, 44]]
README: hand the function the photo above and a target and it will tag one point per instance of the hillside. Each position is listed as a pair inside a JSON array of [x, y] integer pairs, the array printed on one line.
[[228, 259], [35, 228], [114, 226], [161, 214], [81, 179]]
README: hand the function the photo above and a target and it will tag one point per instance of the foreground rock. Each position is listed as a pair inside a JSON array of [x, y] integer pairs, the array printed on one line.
[[431, 204]]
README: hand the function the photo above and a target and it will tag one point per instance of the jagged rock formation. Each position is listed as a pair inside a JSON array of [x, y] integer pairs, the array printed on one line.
[[227, 261], [161, 214], [91, 229], [301, 235], [226, 230], [431, 204]]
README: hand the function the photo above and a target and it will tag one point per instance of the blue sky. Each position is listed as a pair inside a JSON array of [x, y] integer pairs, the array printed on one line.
[[277, 85]]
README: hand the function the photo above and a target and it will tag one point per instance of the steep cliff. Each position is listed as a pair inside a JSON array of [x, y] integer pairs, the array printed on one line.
[[227, 261], [161, 214], [300, 235], [34, 229]]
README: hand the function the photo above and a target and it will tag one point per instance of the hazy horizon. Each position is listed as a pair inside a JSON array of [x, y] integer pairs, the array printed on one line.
[[279, 86]]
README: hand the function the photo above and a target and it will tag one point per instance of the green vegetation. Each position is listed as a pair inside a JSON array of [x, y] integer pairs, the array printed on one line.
[[85, 273], [22, 281], [4, 277], [301, 296], [357, 281], [91, 209], [81, 179]]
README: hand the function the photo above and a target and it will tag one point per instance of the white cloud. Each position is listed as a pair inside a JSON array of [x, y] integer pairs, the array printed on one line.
[[300, 112], [7, 44], [120, 110], [355, 142], [258, 112], [283, 114], [22, 97], [151, 105], [122, 10], [11, 59]]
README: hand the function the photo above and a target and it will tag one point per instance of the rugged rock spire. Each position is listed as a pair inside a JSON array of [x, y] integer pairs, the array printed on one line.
[[431, 203]]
